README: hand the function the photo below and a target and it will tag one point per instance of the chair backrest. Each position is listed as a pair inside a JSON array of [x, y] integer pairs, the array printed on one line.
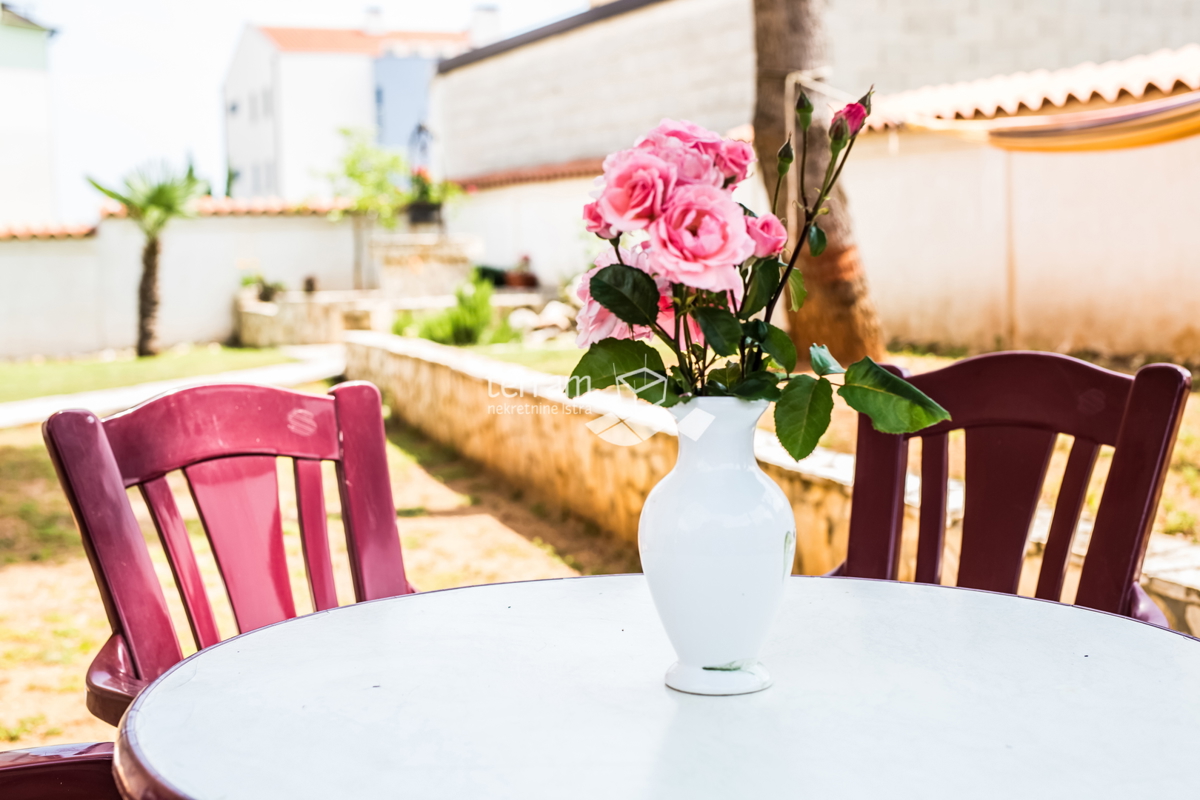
[[59, 772], [225, 438], [1012, 406]]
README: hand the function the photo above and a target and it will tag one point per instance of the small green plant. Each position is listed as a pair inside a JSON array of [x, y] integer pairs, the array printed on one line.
[[266, 289], [370, 176], [1179, 521], [469, 321]]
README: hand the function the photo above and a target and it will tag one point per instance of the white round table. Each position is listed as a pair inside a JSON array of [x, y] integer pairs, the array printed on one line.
[[554, 689]]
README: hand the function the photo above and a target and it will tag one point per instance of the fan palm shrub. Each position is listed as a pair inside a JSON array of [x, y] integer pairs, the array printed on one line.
[[154, 195]]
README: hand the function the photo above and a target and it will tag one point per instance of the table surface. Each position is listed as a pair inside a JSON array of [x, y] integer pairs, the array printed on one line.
[[554, 689]]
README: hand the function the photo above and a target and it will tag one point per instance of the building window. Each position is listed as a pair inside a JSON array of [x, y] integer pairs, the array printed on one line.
[[266, 103], [233, 107], [379, 107], [255, 181], [269, 179]]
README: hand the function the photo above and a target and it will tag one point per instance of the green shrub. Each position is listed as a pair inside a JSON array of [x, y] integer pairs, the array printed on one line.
[[469, 319]]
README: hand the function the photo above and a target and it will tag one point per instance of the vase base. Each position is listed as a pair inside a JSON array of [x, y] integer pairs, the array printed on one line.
[[746, 678]]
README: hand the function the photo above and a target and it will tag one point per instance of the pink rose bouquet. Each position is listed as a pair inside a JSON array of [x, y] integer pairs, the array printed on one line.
[[704, 274]]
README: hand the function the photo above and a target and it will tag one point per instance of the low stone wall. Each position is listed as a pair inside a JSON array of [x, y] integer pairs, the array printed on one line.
[[520, 424]]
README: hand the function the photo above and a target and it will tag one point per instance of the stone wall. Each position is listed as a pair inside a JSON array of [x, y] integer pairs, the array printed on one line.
[[594, 89], [519, 424], [539, 440]]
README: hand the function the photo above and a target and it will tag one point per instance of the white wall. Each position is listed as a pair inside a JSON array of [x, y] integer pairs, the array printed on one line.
[[26, 173], [80, 296], [319, 93], [1103, 253], [251, 132]]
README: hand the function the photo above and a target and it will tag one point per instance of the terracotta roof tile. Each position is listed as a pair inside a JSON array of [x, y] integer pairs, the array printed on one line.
[[987, 98], [345, 40], [582, 168], [28, 232], [256, 206]]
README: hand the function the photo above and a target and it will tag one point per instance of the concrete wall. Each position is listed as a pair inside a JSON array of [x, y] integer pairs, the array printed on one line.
[[598, 88], [79, 296], [1101, 254], [905, 45]]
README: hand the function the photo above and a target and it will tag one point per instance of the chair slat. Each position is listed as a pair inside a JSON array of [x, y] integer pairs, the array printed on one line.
[[875, 527], [1071, 495], [174, 536], [1131, 493], [1006, 467], [368, 510], [314, 535], [113, 540], [935, 471], [238, 500]]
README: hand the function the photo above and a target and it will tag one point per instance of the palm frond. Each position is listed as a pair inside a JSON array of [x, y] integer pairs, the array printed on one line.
[[155, 194]]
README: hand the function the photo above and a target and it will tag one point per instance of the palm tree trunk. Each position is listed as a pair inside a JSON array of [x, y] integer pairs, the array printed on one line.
[[789, 35], [148, 300]]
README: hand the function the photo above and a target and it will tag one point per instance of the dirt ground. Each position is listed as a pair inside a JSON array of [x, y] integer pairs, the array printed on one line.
[[458, 527]]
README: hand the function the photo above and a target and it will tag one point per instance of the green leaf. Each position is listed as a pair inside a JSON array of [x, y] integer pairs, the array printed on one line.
[[627, 292], [796, 289], [893, 404], [633, 363], [748, 212], [778, 345], [721, 329], [816, 240], [764, 279], [802, 414], [823, 363], [755, 330], [761, 385]]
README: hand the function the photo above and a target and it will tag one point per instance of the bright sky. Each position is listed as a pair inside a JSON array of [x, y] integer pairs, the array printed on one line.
[[139, 80]]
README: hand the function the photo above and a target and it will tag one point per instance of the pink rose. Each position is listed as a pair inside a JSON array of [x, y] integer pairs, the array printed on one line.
[[636, 183], [700, 239], [684, 132], [734, 160], [692, 149], [768, 234], [595, 223], [854, 115], [595, 322]]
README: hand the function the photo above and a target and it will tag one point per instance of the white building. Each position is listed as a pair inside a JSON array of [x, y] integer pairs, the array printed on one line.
[[26, 173], [289, 92]]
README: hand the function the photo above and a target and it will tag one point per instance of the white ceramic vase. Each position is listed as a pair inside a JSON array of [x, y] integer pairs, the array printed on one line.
[[717, 538]]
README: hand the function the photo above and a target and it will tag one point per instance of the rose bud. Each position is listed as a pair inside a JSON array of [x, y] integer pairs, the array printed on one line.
[[804, 111]]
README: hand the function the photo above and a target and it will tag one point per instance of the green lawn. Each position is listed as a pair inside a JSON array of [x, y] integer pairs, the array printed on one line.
[[21, 380]]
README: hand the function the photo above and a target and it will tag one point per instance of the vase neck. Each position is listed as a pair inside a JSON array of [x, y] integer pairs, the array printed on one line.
[[717, 431]]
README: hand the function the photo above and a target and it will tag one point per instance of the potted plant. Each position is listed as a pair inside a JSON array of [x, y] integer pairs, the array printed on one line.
[[691, 267], [522, 274], [426, 197]]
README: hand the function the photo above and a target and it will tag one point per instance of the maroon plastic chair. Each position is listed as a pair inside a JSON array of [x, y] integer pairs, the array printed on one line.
[[61, 772], [1012, 405], [225, 438]]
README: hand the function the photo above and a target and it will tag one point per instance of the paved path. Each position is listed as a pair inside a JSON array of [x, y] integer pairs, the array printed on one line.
[[317, 362]]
